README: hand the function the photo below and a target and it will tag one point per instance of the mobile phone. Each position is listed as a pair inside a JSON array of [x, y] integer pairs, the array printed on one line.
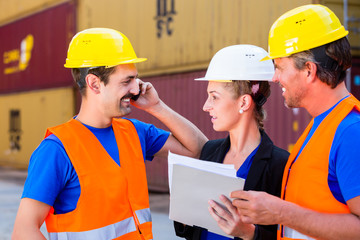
[[135, 97]]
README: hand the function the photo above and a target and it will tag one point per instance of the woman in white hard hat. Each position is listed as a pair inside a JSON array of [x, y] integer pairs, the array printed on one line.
[[237, 89]]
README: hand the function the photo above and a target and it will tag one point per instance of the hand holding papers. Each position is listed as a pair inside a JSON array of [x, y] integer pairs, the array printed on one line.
[[193, 183]]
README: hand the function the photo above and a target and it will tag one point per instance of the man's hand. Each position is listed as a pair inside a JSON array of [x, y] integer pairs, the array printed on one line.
[[258, 207], [185, 138], [148, 99]]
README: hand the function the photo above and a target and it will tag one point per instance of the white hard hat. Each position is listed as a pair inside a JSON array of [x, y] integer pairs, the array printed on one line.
[[239, 62]]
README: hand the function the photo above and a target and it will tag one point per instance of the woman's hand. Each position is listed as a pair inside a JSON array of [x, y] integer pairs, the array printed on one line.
[[229, 219]]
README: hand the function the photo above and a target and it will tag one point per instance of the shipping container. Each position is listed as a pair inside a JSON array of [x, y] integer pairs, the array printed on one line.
[[183, 35], [179, 37], [15, 10], [33, 50], [24, 119]]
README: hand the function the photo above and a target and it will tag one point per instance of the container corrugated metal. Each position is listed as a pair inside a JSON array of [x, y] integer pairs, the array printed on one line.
[[34, 49], [187, 97], [24, 119], [178, 35], [14, 10]]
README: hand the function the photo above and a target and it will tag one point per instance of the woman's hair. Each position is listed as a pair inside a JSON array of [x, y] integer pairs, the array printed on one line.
[[101, 72], [259, 92]]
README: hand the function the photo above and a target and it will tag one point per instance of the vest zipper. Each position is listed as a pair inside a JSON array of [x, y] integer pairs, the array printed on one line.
[[137, 223], [138, 226]]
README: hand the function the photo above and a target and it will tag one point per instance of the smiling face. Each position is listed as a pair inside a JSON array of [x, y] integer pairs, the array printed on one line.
[[116, 94], [291, 81], [223, 106]]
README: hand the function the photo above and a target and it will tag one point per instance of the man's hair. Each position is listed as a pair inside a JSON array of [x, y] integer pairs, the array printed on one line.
[[339, 51], [101, 72], [258, 90]]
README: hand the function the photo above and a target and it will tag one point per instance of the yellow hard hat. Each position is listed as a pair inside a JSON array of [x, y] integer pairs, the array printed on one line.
[[303, 28], [96, 47]]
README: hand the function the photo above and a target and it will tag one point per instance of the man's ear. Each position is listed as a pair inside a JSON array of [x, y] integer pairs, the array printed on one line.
[[310, 71], [93, 82]]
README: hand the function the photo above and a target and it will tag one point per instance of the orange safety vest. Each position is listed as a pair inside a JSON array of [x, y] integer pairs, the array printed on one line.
[[114, 201], [305, 181]]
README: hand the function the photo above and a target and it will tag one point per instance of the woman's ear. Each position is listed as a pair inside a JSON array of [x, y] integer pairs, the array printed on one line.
[[93, 82], [245, 102]]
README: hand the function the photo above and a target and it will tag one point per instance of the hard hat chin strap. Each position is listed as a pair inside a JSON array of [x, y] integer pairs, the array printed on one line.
[[83, 73], [324, 60], [327, 62], [259, 99]]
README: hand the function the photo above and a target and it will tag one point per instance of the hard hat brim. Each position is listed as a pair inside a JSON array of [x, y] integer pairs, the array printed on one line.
[[224, 80], [265, 58], [82, 64], [137, 60], [214, 80]]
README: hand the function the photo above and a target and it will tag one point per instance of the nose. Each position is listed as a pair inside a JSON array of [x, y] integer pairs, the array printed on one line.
[[135, 88], [206, 107], [275, 78]]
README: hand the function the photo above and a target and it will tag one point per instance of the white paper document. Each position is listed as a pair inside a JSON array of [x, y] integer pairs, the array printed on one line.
[[193, 183]]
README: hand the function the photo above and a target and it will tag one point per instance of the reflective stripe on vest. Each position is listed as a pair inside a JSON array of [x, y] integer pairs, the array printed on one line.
[[109, 232], [143, 215], [292, 234]]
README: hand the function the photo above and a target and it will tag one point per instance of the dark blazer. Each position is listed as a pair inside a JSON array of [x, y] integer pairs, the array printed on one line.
[[265, 174]]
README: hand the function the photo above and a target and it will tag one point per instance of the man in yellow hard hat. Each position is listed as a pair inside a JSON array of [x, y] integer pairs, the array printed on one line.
[[87, 178], [320, 196]]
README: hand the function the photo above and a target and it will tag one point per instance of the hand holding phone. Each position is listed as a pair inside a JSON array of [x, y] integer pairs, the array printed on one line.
[[135, 97]]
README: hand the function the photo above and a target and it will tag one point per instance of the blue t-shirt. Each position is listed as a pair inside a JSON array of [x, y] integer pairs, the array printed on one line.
[[242, 172], [52, 178], [344, 167]]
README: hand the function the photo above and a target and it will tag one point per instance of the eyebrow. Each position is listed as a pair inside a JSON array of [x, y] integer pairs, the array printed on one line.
[[132, 76], [214, 91]]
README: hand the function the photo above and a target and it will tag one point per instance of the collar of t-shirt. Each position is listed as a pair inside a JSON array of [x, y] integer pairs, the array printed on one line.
[[317, 120]]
